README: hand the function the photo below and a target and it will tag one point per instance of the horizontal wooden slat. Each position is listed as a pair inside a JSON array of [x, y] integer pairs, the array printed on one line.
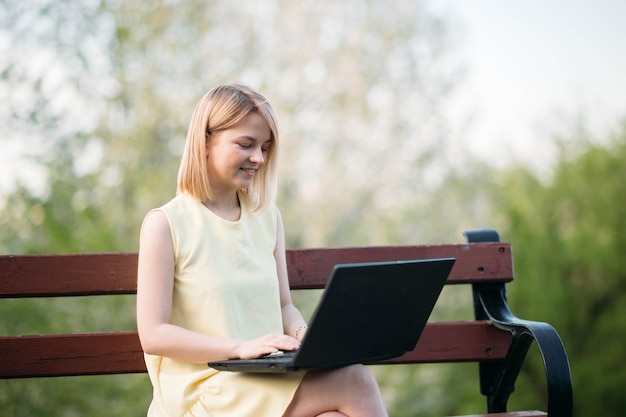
[[310, 268], [115, 273], [113, 353], [466, 341], [66, 275], [72, 354]]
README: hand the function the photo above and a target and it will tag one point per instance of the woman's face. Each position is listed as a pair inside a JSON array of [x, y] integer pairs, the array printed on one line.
[[237, 154]]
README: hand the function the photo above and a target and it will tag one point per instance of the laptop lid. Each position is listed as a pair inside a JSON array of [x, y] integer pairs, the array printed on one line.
[[367, 312]]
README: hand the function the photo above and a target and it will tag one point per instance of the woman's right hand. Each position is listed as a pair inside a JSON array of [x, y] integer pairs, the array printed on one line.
[[265, 345]]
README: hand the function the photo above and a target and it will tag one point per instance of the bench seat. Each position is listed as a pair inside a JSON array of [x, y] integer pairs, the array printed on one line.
[[494, 338]]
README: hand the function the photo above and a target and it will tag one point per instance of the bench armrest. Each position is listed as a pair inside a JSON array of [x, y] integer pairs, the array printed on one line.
[[497, 379]]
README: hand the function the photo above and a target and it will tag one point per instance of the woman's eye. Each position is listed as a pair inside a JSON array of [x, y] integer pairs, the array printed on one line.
[[245, 145]]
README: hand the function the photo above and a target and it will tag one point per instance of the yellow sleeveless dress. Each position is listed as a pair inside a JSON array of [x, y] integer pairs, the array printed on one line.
[[225, 284]]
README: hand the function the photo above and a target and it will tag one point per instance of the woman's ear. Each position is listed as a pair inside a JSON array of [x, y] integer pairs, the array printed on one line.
[[207, 143]]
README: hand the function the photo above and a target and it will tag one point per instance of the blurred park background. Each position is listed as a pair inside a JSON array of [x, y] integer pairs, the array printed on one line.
[[401, 123]]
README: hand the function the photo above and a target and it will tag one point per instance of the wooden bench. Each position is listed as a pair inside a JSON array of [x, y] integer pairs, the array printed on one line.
[[495, 338]]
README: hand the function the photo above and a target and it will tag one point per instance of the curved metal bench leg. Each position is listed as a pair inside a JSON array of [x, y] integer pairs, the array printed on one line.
[[497, 379]]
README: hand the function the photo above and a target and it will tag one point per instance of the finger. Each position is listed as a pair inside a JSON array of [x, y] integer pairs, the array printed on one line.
[[280, 342], [287, 343]]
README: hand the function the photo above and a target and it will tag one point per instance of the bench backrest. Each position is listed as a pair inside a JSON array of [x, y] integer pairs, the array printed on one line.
[[115, 273]]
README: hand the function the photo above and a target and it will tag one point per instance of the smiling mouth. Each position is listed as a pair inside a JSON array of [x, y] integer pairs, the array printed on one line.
[[249, 171]]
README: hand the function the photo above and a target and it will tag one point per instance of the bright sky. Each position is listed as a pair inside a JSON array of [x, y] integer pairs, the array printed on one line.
[[536, 65]]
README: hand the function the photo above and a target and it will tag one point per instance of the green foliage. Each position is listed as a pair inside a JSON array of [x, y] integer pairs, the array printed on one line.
[[114, 395], [568, 235]]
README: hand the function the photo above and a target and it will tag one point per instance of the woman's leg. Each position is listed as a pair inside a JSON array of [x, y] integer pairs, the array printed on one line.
[[351, 391]]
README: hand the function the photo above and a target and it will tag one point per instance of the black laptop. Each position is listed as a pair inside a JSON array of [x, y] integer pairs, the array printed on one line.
[[368, 312]]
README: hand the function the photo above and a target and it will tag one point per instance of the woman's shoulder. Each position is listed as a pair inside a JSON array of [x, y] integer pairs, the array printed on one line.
[[269, 212], [182, 202], [155, 221], [178, 205]]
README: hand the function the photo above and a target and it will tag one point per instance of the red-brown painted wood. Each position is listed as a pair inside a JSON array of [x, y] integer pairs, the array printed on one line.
[[66, 275], [115, 353], [115, 273], [464, 341], [71, 354], [309, 268]]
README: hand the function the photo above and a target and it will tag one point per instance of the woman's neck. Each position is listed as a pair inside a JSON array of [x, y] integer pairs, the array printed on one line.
[[228, 208]]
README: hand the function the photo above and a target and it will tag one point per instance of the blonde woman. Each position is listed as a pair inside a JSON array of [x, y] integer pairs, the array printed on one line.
[[212, 279]]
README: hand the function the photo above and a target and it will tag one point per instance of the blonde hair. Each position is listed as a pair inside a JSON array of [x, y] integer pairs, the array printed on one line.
[[222, 108]]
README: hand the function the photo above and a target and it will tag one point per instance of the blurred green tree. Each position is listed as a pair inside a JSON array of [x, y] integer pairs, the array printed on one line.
[[567, 233]]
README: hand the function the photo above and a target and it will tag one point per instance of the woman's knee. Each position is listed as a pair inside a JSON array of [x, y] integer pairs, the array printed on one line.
[[359, 392], [347, 391], [360, 377], [349, 380]]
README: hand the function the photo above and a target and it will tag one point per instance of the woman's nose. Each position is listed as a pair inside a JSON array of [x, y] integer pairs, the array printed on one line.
[[257, 156]]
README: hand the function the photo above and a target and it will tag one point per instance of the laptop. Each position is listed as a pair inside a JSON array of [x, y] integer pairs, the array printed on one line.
[[368, 312]]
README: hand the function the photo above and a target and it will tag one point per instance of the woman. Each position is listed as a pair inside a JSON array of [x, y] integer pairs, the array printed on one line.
[[212, 279]]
